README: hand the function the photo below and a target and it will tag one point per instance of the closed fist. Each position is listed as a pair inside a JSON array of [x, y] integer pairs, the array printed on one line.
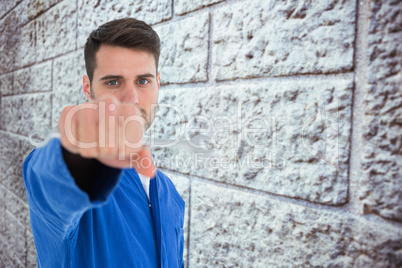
[[110, 131]]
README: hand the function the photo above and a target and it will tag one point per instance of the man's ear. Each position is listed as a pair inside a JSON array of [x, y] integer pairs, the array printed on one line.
[[158, 80], [86, 87]]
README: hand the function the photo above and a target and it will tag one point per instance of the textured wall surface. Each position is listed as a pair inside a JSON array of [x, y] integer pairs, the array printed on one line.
[[285, 127], [301, 103], [382, 162]]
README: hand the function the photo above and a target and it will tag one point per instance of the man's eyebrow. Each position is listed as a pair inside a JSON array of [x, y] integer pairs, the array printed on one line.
[[146, 75], [109, 77]]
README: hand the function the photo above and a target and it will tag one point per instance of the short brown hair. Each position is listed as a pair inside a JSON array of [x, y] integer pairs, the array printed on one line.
[[127, 33]]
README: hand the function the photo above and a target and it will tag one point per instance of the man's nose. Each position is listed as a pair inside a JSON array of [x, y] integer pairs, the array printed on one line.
[[130, 95]]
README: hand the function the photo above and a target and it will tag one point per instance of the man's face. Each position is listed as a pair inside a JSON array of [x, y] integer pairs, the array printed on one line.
[[129, 75]]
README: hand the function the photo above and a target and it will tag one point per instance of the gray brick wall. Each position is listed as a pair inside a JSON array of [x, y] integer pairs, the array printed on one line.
[[302, 100]]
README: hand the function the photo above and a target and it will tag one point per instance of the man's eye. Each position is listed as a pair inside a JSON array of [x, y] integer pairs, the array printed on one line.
[[113, 83], [143, 81]]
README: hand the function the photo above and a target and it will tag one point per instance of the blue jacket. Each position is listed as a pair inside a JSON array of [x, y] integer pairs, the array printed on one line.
[[115, 228]]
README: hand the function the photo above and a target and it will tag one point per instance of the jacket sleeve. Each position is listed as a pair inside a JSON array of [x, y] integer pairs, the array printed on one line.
[[52, 193]]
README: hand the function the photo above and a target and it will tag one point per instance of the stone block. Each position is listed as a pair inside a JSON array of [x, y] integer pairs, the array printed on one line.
[[7, 261], [182, 185], [14, 238], [9, 42], [33, 79], [36, 7], [15, 183], [13, 38], [287, 138], [279, 38], [2, 223], [15, 206], [12, 156], [93, 14], [6, 6], [25, 113], [13, 35], [56, 31], [14, 149], [184, 50], [382, 160], [31, 249], [26, 52], [231, 228], [19, 12], [182, 7], [68, 74], [6, 84]]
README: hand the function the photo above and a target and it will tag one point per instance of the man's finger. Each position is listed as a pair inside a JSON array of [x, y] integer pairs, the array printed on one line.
[[88, 131]]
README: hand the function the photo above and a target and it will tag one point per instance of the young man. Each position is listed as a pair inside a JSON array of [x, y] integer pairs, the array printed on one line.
[[88, 206]]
